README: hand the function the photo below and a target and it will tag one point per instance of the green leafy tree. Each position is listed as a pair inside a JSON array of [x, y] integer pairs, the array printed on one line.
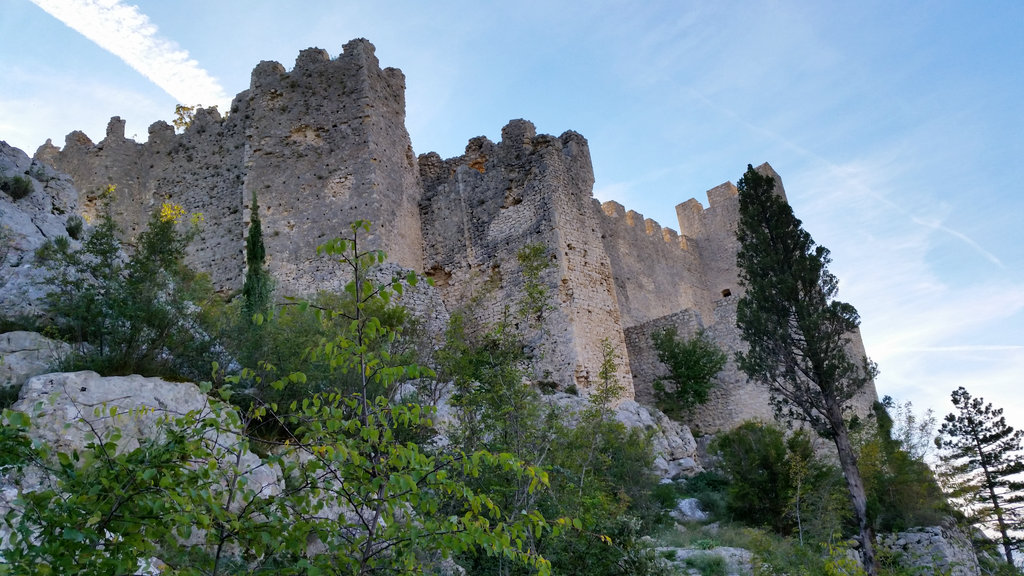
[[798, 334], [139, 313], [986, 455], [359, 497], [692, 364], [902, 489]]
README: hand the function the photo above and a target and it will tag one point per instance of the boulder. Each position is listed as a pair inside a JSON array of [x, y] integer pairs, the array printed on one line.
[[27, 354], [674, 447], [688, 510], [944, 548], [67, 409]]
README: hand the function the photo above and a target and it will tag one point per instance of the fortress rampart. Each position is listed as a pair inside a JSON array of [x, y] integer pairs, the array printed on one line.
[[325, 144]]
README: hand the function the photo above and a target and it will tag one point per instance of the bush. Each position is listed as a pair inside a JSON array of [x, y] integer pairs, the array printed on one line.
[[74, 227], [778, 482], [709, 487], [692, 363], [708, 564], [8, 396], [16, 187], [139, 315]]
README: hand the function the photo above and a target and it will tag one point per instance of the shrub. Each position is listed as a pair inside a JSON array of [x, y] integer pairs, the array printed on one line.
[[74, 227], [692, 363], [8, 396], [16, 187], [708, 564], [709, 487], [138, 314]]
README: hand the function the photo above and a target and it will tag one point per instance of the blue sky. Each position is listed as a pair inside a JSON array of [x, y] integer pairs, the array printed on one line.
[[896, 126]]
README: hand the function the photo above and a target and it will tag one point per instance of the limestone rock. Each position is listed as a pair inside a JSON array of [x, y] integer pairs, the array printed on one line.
[[25, 225], [27, 354], [688, 510], [674, 446], [675, 450], [67, 407], [945, 548], [737, 560]]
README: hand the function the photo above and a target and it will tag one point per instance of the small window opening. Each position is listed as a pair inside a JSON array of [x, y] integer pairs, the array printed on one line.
[[726, 293]]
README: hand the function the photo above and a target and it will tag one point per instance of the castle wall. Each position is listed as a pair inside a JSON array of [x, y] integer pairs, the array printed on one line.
[[732, 399], [657, 271], [321, 146], [325, 144], [480, 209]]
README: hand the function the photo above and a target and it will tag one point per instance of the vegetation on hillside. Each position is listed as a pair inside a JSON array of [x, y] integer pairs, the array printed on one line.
[[334, 391]]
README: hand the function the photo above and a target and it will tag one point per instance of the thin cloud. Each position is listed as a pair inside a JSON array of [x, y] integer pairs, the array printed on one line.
[[963, 237], [127, 33], [978, 348]]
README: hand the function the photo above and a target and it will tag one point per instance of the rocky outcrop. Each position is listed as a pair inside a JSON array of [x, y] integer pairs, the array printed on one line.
[[27, 354], [69, 410], [675, 450], [25, 224], [738, 562], [944, 548]]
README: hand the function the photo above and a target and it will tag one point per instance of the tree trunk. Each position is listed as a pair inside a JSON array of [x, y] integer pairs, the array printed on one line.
[[858, 497]]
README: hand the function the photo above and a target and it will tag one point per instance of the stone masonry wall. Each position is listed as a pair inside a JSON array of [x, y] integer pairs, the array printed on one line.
[[325, 144], [656, 271], [480, 209], [322, 145]]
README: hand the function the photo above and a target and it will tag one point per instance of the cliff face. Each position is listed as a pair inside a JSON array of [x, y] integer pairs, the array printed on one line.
[[325, 144]]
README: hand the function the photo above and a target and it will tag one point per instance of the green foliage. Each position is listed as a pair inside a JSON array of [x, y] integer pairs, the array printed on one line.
[[599, 470], [5, 249], [708, 564], [359, 498], [258, 286], [534, 303], [183, 498], [902, 490], [692, 364], [798, 333], [74, 227], [709, 488], [779, 483], [8, 394], [138, 315], [753, 456], [17, 187], [986, 456]]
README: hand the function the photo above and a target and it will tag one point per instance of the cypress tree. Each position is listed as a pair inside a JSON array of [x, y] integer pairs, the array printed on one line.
[[798, 334], [258, 286]]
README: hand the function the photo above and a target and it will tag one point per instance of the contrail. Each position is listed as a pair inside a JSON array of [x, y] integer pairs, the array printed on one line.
[[127, 33]]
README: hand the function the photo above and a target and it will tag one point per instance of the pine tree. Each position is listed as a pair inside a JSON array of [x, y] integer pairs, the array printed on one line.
[[258, 286], [798, 334], [985, 454]]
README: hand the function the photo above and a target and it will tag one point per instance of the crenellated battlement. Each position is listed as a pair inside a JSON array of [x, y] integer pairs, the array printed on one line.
[[617, 213], [324, 144]]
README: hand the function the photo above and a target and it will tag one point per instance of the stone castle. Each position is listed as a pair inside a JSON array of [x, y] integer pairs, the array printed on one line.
[[325, 144]]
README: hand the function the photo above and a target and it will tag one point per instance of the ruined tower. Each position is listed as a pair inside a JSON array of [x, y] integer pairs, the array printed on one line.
[[325, 144]]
